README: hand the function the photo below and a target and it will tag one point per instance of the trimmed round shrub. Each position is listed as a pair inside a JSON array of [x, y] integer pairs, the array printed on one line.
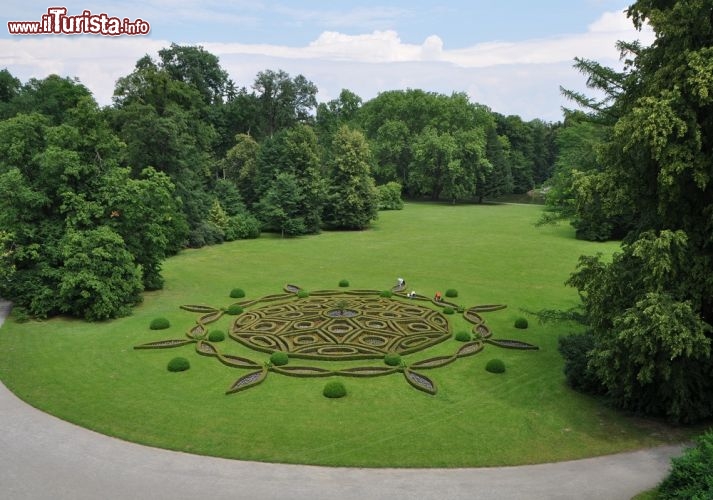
[[237, 293], [452, 293], [279, 358], [392, 359], [344, 283], [334, 389], [387, 294], [234, 310], [463, 336], [178, 365], [216, 336], [159, 324], [303, 294], [521, 323], [448, 310], [495, 366]]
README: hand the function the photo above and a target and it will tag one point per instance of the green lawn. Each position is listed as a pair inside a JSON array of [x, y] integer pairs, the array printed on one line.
[[90, 374]]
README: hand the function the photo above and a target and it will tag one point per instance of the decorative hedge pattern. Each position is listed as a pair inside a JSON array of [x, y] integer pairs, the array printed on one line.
[[334, 325]]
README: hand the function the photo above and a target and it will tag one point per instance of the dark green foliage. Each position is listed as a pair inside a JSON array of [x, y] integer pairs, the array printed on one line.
[[216, 335], [452, 293], [463, 336], [237, 293], [386, 294], [234, 309], [279, 358], [650, 309], [344, 283], [159, 324], [392, 359], [334, 389], [495, 366], [178, 365], [691, 475], [521, 323], [352, 198], [390, 196], [303, 294], [575, 349], [448, 310]]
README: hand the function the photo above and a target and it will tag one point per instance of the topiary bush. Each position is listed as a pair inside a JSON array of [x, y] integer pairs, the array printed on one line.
[[386, 294], [521, 323], [495, 366], [463, 336], [159, 324], [448, 310], [234, 310], [691, 474], [303, 294], [334, 389], [392, 359], [344, 283], [237, 293], [452, 293], [216, 336], [178, 365], [279, 358]]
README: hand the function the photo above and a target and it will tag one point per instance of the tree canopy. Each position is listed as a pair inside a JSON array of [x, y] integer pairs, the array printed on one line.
[[651, 308]]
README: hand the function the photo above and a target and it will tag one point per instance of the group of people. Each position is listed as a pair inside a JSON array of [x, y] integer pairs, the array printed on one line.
[[400, 283]]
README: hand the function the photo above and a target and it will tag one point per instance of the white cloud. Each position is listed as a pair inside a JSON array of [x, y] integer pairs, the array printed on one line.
[[511, 77]]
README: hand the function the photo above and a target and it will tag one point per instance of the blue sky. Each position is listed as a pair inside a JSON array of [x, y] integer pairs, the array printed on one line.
[[509, 55]]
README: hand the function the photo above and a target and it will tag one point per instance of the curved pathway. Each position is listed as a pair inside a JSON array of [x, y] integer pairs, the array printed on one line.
[[43, 457]]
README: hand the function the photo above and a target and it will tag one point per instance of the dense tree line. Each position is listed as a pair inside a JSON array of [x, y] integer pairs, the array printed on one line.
[[93, 199], [644, 162]]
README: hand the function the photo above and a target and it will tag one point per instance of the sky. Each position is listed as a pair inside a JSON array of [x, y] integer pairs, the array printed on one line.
[[511, 56]]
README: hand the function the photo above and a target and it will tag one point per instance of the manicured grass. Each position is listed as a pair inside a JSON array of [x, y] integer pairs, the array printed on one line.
[[91, 375]]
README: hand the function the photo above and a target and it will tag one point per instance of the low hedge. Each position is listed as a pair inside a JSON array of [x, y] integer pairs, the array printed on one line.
[[178, 365], [237, 293], [303, 294], [216, 336], [386, 294], [159, 324], [344, 283], [521, 323], [279, 358], [495, 366], [334, 389], [448, 310]]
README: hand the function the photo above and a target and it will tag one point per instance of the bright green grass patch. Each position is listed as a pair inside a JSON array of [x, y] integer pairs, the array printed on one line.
[[90, 374]]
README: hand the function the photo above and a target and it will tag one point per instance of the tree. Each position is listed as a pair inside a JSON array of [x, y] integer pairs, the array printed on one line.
[[651, 308], [497, 180], [352, 199], [294, 151], [240, 165], [284, 101], [279, 209], [99, 279], [434, 161]]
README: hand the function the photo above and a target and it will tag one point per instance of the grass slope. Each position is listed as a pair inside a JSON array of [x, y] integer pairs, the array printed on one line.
[[90, 375]]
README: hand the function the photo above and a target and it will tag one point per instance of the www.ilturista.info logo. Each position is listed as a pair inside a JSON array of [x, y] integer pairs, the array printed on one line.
[[57, 22]]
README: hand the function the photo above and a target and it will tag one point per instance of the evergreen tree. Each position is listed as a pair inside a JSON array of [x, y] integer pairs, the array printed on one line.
[[352, 199]]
